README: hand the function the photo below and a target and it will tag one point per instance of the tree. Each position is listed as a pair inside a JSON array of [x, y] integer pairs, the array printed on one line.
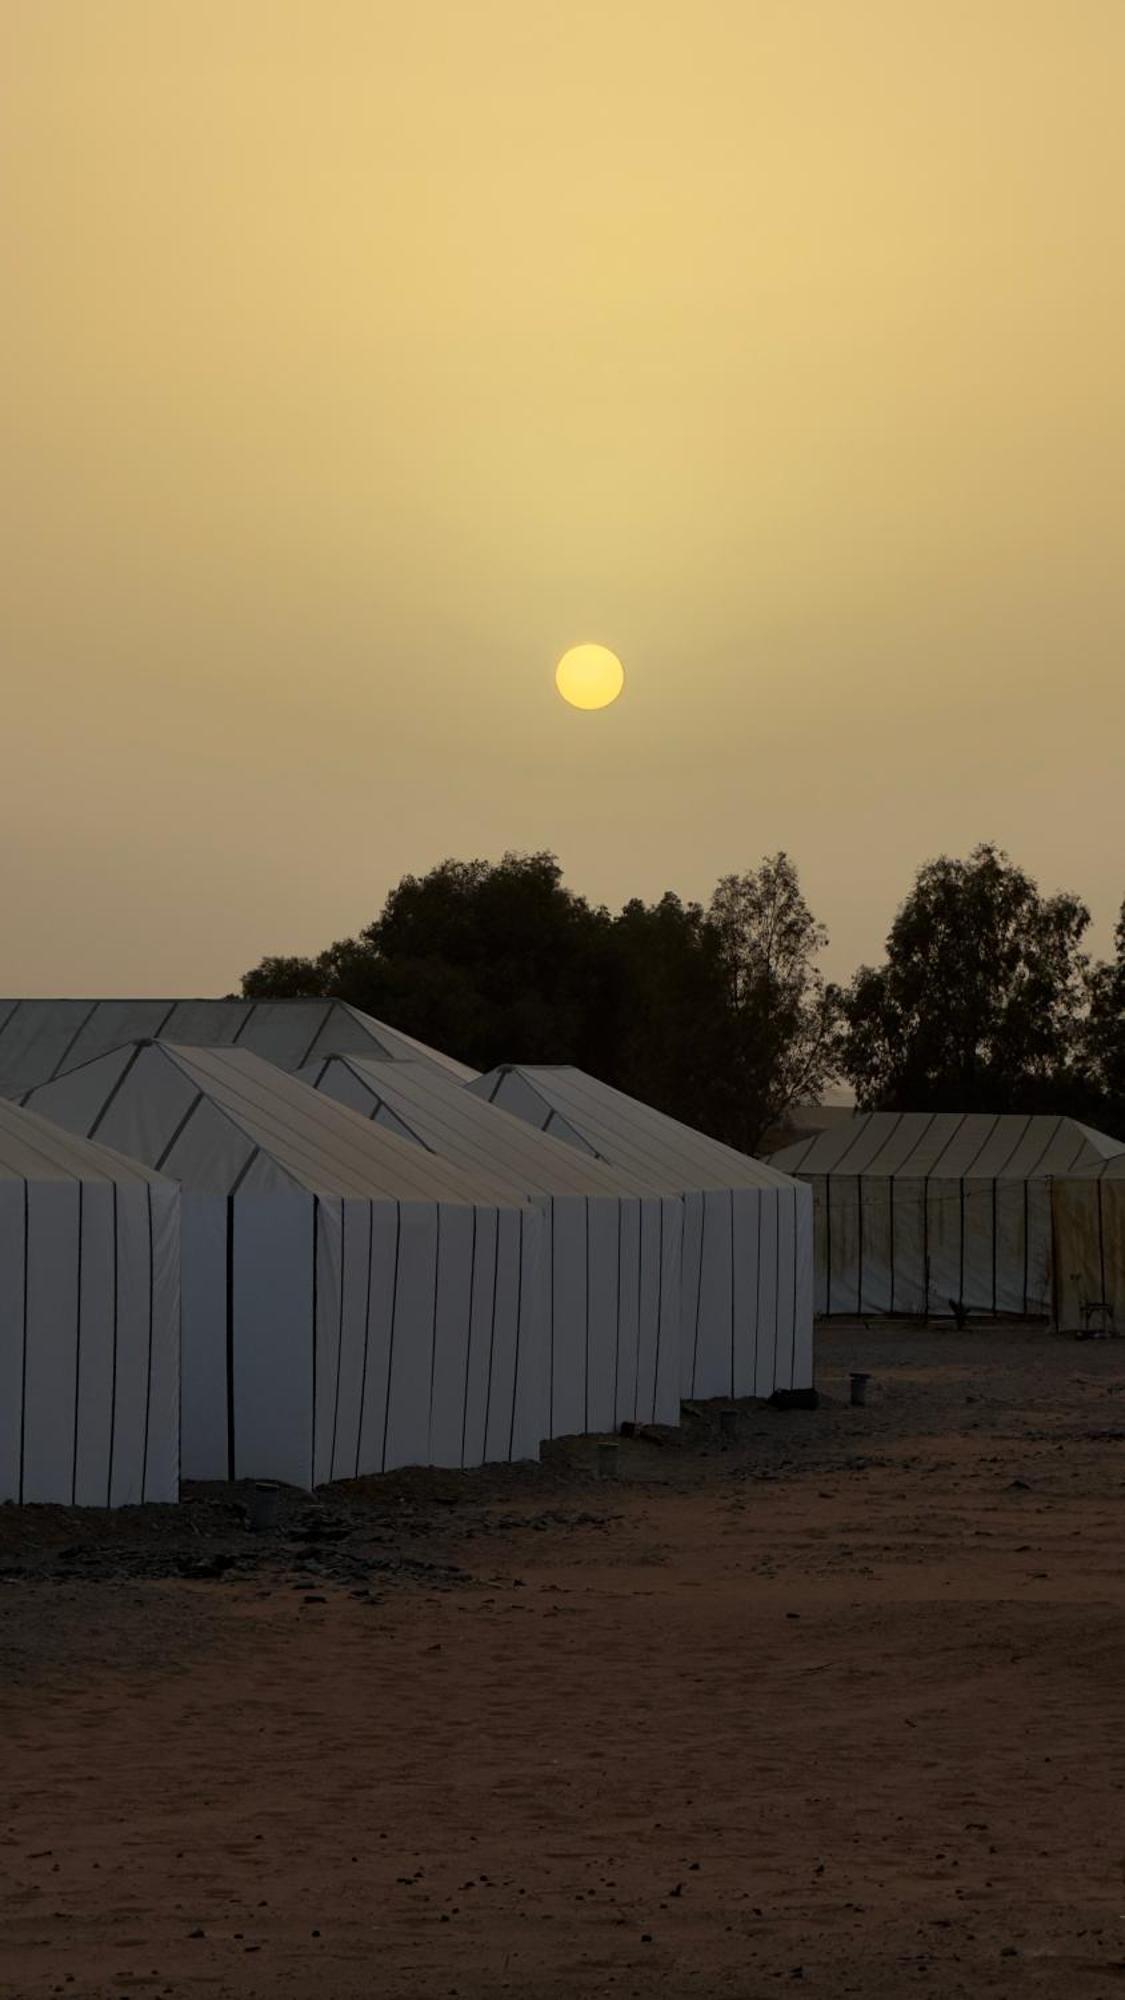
[[493, 961], [778, 1047], [1103, 1050], [979, 1006]]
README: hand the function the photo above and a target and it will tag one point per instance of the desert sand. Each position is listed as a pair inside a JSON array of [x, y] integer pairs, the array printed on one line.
[[836, 1704]]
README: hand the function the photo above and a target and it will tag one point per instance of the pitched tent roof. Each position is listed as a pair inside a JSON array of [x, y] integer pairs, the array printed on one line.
[[605, 1123], [219, 1119], [32, 1148], [440, 1114], [41, 1038], [950, 1145]]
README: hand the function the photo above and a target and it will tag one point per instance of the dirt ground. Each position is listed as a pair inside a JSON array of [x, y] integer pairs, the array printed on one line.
[[837, 1702]]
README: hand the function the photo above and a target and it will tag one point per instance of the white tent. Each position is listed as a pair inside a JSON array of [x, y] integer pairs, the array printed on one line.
[[614, 1246], [746, 1304], [1088, 1235], [39, 1039], [89, 1321], [919, 1212], [350, 1304]]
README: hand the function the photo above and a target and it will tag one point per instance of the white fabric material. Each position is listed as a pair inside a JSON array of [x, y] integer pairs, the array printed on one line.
[[89, 1322], [745, 1314], [329, 1268], [918, 1212], [39, 1039], [608, 1331]]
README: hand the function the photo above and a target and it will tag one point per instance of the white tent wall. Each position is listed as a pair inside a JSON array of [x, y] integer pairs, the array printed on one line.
[[746, 1299], [326, 1333], [911, 1247], [614, 1336], [89, 1341], [1088, 1218]]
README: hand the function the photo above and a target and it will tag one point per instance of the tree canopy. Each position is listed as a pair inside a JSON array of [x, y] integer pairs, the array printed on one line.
[[718, 1013]]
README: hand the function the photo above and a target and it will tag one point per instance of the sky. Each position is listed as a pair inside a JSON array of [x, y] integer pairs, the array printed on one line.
[[362, 358]]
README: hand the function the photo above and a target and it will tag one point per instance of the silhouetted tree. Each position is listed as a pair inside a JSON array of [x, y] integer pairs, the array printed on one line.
[[980, 1004], [1103, 1040], [778, 1043]]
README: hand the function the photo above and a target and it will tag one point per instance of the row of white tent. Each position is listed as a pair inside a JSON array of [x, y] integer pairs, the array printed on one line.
[[366, 1256], [931, 1213]]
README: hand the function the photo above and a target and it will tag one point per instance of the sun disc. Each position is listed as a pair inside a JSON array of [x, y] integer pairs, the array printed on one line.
[[589, 676]]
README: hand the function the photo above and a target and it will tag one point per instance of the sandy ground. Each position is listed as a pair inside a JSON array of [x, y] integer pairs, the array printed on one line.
[[838, 1705]]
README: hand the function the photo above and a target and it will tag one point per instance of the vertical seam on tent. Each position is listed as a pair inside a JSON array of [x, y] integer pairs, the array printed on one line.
[[519, 1339], [9, 1017], [148, 1374], [827, 1245], [339, 1334], [178, 1133], [730, 1192], [1026, 1224], [366, 1334], [891, 1220], [469, 1337], [83, 1023], [492, 1332], [391, 1341], [135, 1056], [315, 1316], [586, 1314], [113, 1368], [551, 1324], [859, 1247], [793, 1336], [77, 1349], [230, 1337], [23, 1361], [961, 1251], [659, 1303], [320, 1027], [617, 1321], [926, 1245], [1101, 1245], [758, 1289], [995, 1245], [433, 1331], [777, 1287], [698, 1285], [244, 1023], [640, 1294]]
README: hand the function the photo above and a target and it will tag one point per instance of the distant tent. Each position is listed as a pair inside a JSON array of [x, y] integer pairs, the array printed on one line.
[[920, 1212], [89, 1321], [1088, 1212], [39, 1039], [614, 1246], [350, 1302], [746, 1302]]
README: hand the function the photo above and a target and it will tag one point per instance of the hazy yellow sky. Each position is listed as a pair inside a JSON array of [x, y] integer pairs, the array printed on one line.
[[361, 358]]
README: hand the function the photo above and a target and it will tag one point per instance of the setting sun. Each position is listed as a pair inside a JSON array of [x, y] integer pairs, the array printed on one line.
[[589, 676]]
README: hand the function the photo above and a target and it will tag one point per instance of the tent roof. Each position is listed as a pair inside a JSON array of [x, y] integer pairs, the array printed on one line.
[[33, 1149], [440, 1114], [214, 1118], [622, 1131], [41, 1038], [950, 1145]]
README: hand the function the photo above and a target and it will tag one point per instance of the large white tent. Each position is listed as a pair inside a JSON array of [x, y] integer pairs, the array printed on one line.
[[922, 1212], [746, 1300], [39, 1039], [351, 1303], [89, 1321], [614, 1245]]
